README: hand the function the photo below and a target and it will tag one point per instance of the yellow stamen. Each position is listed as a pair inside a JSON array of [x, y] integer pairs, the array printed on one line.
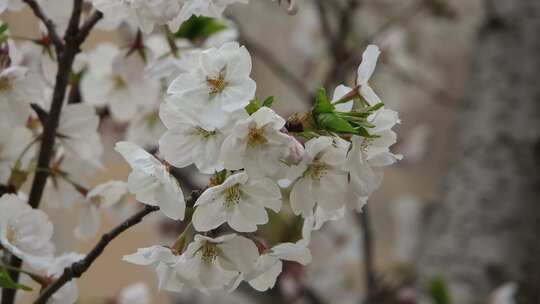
[[209, 252], [232, 196], [217, 84], [5, 84], [256, 136]]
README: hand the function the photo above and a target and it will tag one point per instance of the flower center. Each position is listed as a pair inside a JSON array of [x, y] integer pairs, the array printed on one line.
[[365, 144], [205, 134], [11, 234], [209, 252], [96, 200], [5, 84], [256, 136], [217, 84], [316, 170], [119, 82], [232, 196], [151, 119]]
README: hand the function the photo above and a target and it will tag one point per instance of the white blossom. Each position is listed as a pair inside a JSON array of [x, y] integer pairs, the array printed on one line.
[[77, 133], [269, 265], [504, 294], [145, 129], [216, 83], [240, 201], [13, 142], [24, 231], [209, 8], [369, 155], [161, 260], [69, 293], [187, 141], [258, 145], [322, 178], [137, 293], [216, 263], [151, 181], [118, 80], [18, 88], [100, 197], [365, 71]]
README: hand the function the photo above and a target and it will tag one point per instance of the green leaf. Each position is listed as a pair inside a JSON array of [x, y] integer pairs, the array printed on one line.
[[322, 104], [7, 282], [375, 107], [253, 106], [3, 28], [438, 291], [268, 102], [333, 123], [199, 27]]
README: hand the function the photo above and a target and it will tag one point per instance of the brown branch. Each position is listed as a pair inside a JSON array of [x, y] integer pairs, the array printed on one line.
[[337, 43], [66, 53], [279, 69], [49, 24], [77, 269], [368, 248], [88, 25]]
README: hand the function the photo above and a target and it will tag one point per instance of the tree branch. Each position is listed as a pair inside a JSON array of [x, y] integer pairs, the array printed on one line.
[[49, 24], [278, 68], [369, 263], [88, 25], [65, 53], [77, 269]]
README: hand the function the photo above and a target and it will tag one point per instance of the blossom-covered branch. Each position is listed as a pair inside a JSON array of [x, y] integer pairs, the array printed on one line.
[[182, 88]]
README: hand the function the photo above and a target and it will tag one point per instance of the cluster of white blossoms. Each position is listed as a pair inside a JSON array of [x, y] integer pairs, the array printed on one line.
[[194, 100], [215, 122], [149, 14]]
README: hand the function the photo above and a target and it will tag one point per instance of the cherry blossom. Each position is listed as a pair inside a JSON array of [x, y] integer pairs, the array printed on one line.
[[24, 231], [151, 181], [215, 263], [217, 83], [240, 201], [322, 178], [258, 145]]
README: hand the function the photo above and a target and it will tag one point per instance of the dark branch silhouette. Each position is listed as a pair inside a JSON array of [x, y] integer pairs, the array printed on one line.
[[66, 51]]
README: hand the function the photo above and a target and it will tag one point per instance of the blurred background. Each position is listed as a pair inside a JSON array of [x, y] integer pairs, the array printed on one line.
[[457, 221]]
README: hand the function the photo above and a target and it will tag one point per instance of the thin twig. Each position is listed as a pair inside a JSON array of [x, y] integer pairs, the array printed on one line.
[[77, 269], [338, 43], [368, 248], [277, 67], [325, 23], [49, 24], [88, 25]]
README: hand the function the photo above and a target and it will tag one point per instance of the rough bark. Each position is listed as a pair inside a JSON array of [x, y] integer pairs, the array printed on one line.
[[485, 229]]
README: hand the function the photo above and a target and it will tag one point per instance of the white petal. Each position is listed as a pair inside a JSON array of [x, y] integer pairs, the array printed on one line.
[[369, 61]]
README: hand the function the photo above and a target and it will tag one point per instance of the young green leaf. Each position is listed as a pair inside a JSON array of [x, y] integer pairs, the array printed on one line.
[[7, 282], [199, 27], [322, 104], [333, 123], [268, 102], [253, 106], [438, 291]]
